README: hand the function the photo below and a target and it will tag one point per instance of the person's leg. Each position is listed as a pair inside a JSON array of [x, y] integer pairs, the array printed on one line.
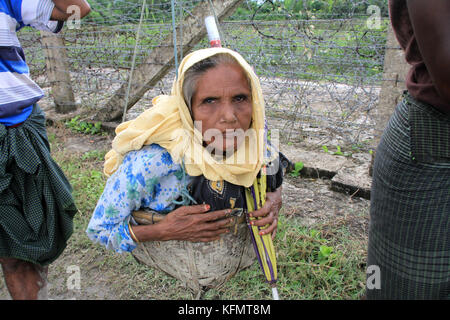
[[25, 280]]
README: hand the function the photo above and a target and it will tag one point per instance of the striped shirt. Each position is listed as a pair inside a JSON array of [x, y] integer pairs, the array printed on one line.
[[18, 92]]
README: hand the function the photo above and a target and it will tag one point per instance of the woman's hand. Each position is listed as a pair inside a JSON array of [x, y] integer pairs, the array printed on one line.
[[188, 223], [268, 214]]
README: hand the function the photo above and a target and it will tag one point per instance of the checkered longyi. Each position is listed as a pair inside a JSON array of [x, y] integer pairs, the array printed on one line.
[[409, 238], [36, 204]]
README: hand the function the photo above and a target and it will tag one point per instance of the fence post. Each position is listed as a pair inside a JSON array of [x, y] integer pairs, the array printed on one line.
[[58, 72], [394, 75]]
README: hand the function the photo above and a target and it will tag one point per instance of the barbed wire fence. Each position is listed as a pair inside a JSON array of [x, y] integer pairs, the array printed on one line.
[[321, 72]]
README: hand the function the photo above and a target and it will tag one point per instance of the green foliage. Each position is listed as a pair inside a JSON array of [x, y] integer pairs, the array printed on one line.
[[322, 267], [338, 151], [94, 155], [351, 54], [127, 11], [297, 168], [304, 9], [76, 125], [294, 6], [362, 48], [325, 254], [51, 137]]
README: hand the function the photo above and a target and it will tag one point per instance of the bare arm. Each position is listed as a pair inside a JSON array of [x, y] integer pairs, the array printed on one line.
[[431, 24], [62, 10]]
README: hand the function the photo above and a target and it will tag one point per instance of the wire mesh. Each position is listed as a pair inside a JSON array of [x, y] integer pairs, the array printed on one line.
[[320, 62]]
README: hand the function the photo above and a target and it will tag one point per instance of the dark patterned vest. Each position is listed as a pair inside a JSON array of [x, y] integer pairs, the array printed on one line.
[[224, 195]]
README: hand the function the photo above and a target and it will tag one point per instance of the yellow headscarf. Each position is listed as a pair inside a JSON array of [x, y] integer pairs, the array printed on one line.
[[169, 124]]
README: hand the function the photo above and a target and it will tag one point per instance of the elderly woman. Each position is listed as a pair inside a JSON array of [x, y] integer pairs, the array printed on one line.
[[190, 157]]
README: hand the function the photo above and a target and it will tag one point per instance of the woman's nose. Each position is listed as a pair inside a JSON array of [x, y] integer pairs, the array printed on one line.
[[228, 113]]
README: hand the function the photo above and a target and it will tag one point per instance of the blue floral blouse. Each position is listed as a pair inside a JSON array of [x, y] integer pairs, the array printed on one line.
[[147, 178]]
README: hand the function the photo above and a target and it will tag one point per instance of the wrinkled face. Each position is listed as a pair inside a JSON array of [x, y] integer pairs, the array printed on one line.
[[222, 107]]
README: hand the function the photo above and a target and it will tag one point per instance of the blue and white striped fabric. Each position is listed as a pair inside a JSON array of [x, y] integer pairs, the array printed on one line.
[[18, 92]]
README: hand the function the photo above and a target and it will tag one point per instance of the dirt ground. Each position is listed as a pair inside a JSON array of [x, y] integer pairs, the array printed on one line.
[[309, 200]]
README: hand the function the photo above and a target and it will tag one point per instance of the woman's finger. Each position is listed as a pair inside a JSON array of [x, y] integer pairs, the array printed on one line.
[[264, 220], [274, 232], [270, 229], [262, 212], [214, 215], [273, 203], [194, 209], [222, 224]]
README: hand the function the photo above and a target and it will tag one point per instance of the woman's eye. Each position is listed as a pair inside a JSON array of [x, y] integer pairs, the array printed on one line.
[[209, 100], [240, 98]]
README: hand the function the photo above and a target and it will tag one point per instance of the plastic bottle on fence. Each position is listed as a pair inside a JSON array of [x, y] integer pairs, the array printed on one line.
[[213, 32]]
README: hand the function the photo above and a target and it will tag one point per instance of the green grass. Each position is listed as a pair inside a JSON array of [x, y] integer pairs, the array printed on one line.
[[309, 267], [320, 261]]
